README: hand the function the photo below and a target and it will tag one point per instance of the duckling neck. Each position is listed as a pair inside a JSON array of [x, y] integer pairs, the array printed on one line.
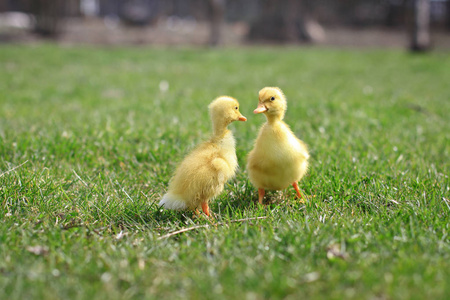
[[219, 131], [272, 119]]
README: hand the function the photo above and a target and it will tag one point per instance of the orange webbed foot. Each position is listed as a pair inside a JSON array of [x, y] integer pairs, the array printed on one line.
[[205, 208]]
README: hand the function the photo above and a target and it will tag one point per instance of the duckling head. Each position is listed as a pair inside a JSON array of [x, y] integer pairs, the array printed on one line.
[[272, 103], [224, 110]]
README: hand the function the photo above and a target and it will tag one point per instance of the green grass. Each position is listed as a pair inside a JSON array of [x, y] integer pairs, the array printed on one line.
[[94, 142]]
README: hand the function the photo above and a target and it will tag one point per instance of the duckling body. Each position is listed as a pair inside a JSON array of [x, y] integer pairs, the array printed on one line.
[[272, 165], [278, 158], [202, 174]]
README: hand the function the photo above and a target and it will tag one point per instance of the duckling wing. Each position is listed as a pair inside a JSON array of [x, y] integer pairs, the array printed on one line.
[[200, 176]]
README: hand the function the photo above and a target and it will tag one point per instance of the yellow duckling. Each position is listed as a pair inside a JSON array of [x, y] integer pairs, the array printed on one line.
[[278, 158], [203, 173]]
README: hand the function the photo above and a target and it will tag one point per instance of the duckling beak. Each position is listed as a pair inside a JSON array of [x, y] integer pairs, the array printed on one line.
[[260, 109], [242, 118]]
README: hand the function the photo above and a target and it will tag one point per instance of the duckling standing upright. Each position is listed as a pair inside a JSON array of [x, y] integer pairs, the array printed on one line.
[[203, 173], [278, 158]]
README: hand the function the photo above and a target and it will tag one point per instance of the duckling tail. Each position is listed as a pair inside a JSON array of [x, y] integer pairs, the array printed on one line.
[[171, 201]]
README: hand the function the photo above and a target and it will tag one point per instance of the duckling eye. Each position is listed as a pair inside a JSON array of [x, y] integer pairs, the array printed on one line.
[[272, 98], [236, 107]]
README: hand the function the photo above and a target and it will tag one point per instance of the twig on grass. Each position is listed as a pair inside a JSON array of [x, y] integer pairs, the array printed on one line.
[[4, 173], [72, 225], [207, 225]]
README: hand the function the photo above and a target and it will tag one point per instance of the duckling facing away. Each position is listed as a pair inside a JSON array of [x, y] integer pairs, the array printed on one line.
[[202, 174], [278, 158]]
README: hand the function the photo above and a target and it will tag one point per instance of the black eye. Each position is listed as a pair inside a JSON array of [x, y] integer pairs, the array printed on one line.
[[236, 107], [273, 98]]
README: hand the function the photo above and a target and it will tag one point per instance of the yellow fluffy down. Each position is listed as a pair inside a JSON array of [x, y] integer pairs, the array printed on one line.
[[278, 158], [202, 174]]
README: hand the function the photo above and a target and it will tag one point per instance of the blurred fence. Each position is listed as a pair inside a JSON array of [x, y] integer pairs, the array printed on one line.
[[281, 20], [328, 12]]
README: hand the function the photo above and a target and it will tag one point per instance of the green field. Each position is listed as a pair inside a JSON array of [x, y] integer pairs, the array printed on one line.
[[89, 140]]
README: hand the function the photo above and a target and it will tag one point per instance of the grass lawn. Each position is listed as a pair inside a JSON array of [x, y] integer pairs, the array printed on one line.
[[89, 138]]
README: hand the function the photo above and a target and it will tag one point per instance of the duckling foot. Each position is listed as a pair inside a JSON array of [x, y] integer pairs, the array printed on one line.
[[196, 214], [261, 193], [299, 195], [205, 208]]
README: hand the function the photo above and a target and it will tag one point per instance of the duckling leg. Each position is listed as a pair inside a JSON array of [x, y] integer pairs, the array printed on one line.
[[205, 208], [299, 195], [261, 193]]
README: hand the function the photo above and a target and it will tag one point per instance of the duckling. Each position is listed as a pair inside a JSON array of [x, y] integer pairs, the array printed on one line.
[[278, 158], [203, 172]]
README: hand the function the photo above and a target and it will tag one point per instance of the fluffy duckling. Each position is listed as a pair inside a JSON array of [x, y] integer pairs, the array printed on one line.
[[278, 158], [202, 174]]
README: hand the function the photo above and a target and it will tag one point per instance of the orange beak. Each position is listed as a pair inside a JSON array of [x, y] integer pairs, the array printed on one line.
[[242, 118], [260, 109]]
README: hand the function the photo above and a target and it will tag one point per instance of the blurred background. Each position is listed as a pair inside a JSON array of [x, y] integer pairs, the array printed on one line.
[[413, 24]]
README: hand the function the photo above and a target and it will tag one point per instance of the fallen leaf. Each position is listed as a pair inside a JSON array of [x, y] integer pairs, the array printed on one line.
[[334, 251], [38, 250], [310, 277]]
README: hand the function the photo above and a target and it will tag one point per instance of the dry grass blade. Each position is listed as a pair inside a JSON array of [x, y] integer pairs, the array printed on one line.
[[207, 225], [9, 171], [79, 178]]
